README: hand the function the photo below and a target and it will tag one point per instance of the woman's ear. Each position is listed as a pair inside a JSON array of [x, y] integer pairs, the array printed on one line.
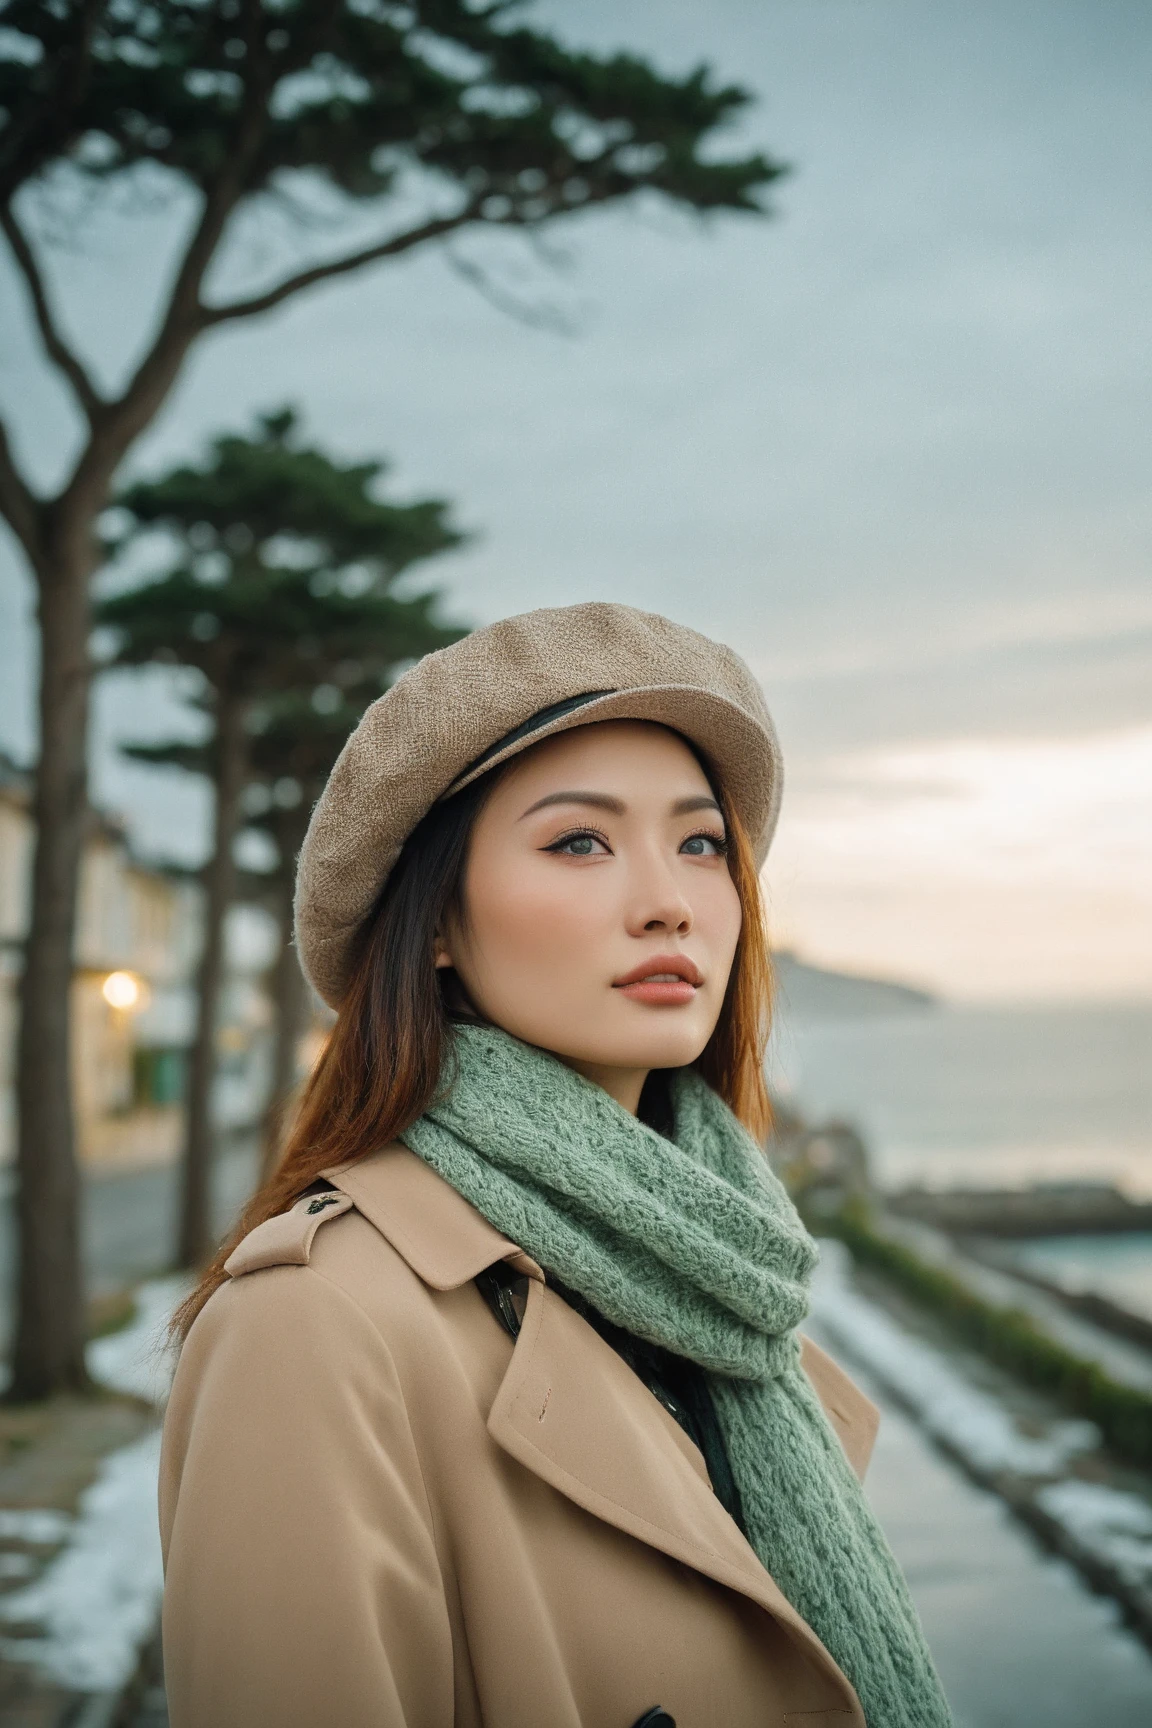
[[440, 955]]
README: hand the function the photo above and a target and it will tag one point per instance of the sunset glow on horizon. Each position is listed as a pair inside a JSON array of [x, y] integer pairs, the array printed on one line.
[[984, 868]]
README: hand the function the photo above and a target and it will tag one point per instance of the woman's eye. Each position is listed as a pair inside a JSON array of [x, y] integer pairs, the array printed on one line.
[[582, 845], [705, 846]]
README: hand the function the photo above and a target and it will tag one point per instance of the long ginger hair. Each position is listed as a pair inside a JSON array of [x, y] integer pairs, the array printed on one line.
[[382, 1063]]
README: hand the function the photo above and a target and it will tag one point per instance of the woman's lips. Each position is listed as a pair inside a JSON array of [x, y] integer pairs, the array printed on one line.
[[667, 980], [664, 992]]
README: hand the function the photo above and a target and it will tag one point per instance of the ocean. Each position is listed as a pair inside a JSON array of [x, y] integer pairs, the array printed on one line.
[[1118, 1266], [994, 1097], [982, 1097]]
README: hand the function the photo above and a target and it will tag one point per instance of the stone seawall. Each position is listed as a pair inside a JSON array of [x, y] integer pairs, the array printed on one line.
[[1048, 1209]]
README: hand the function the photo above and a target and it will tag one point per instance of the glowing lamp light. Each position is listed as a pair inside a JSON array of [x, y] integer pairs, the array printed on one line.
[[121, 990]]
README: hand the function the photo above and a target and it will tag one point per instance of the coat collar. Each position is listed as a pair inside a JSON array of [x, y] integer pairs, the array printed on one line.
[[569, 1408], [440, 1234]]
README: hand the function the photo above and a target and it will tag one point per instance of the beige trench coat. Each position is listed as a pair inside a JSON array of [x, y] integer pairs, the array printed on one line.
[[379, 1512]]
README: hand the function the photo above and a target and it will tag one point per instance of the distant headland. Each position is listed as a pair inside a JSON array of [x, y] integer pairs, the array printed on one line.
[[815, 992]]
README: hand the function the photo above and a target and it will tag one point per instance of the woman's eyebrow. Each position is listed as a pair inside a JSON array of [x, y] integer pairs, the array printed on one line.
[[598, 801], [603, 801]]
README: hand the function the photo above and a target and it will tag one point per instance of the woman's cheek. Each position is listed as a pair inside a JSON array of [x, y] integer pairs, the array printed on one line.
[[719, 922], [550, 922], [518, 923]]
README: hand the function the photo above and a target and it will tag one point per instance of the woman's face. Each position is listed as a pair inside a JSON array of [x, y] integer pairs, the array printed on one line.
[[599, 918]]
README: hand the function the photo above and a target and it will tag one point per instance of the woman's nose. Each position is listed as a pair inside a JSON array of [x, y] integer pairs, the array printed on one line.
[[658, 902]]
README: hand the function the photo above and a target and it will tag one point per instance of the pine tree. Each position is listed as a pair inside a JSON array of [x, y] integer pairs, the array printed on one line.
[[279, 585], [294, 741]]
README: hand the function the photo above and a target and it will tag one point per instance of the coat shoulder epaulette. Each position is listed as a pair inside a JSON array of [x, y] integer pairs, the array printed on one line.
[[286, 1240]]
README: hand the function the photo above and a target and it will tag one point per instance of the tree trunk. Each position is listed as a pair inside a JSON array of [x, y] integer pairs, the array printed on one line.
[[48, 1349], [195, 1238], [290, 1001]]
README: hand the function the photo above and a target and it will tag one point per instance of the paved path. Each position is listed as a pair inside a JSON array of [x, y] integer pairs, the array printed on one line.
[[1019, 1639]]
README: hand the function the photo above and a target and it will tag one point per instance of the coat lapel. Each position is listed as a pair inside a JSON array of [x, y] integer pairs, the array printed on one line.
[[574, 1413]]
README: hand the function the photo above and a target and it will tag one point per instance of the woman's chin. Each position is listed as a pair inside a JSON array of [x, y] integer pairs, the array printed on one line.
[[634, 1054]]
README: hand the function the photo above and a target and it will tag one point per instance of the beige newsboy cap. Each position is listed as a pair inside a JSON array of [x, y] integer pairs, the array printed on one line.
[[463, 710]]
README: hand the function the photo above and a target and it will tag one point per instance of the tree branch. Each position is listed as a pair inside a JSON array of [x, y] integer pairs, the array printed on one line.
[[122, 420], [537, 317], [181, 322], [18, 503], [55, 346], [434, 229]]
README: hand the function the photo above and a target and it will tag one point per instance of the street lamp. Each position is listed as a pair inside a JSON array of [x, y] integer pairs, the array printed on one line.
[[121, 990]]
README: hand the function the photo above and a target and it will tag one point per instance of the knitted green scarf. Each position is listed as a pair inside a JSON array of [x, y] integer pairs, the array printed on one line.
[[693, 1244]]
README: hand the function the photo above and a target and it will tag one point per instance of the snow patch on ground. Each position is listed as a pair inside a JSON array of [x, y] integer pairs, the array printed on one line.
[[95, 1602], [138, 1359], [970, 1421], [41, 1529], [1112, 1525]]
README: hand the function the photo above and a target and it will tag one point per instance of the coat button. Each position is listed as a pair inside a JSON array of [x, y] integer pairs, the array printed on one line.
[[657, 1717]]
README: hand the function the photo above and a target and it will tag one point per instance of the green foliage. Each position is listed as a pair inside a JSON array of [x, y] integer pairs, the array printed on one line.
[[252, 492], [282, 570], [279, 594], [362, 93], [1007, 1336], [296, 737], [294, 742]]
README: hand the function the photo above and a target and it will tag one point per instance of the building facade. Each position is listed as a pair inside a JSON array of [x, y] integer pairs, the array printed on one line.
[[133, 997]]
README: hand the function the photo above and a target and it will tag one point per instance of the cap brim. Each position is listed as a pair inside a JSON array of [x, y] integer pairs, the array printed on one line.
[[746, 757]]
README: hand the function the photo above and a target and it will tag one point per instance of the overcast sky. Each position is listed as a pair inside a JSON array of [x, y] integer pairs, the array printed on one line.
[[892, 445]]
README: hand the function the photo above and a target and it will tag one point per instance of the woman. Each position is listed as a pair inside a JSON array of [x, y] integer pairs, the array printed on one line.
[[493, 1412]]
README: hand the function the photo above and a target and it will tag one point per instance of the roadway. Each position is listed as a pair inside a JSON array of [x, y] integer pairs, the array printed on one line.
[[129, 1223]]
